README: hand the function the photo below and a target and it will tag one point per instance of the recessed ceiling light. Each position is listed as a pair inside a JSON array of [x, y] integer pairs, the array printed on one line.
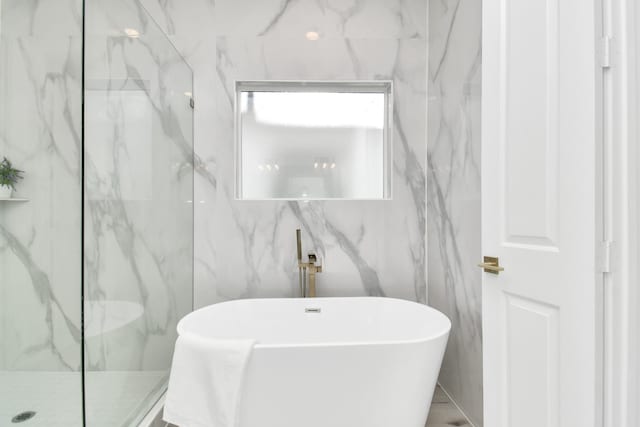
[[188, 94], [130, 32], [312, 35]]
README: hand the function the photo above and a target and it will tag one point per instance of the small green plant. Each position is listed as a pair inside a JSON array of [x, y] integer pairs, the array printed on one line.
[[9, 176]]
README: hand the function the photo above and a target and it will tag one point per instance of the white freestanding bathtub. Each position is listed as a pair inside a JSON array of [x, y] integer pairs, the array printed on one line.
[[332, 362]]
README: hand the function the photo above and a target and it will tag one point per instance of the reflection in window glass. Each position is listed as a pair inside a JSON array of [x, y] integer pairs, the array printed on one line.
[[313, 144]]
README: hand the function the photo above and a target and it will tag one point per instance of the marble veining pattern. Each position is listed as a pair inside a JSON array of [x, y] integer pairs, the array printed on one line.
[[40, 246], [453, 202], [247, 249], [138, 192]]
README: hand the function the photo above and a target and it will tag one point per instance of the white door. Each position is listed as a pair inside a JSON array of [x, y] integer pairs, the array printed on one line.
[[540, 139]]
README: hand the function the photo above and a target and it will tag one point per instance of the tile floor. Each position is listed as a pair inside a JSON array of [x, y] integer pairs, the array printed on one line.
[[114, 398], [443, 413]]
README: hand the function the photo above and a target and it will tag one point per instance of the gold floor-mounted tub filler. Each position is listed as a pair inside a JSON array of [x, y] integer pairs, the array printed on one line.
[[305, 268]]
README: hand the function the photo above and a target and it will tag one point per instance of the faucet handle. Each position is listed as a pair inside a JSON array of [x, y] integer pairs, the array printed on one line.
[[299, 244], [313, 259]]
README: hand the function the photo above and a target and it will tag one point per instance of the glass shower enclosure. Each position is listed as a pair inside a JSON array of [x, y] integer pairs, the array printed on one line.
[[96, 244]]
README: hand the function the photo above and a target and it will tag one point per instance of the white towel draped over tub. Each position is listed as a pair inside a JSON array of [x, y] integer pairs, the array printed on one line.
[[205, 385]]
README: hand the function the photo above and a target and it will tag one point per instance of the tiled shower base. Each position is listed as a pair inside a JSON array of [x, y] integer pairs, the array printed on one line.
[[114, 398]]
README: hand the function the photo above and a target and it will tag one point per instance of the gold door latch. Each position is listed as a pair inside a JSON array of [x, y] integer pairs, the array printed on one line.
[[491, 265]]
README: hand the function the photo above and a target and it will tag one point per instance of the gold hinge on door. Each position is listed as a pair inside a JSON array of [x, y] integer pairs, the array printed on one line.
[[491, 265]]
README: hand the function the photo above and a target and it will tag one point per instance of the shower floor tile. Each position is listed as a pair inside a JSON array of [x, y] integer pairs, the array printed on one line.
[[114, 398], [444, 413]]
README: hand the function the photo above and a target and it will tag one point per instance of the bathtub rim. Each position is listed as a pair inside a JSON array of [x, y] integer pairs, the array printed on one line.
[[328, 344]]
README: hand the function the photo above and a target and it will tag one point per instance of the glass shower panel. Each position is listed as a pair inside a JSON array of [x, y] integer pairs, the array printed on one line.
[[138, 209], [40, 228]]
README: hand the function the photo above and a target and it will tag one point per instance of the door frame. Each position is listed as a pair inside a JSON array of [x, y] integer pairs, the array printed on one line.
[[621, 211]]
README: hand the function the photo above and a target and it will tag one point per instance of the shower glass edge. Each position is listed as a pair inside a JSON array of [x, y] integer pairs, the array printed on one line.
[[138, 209]]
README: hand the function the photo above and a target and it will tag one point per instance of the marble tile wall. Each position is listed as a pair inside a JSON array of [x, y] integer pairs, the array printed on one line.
[[139, 189], [40, 246], [453, 202], [138, 248], [247, 249]]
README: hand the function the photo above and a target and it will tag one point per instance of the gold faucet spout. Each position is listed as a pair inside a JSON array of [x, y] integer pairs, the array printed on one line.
[[313, 270], [306, 267]]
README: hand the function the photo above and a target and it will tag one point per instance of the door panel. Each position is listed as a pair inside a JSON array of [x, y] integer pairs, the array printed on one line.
[[532, 360], [540, 138], [528, 113]]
